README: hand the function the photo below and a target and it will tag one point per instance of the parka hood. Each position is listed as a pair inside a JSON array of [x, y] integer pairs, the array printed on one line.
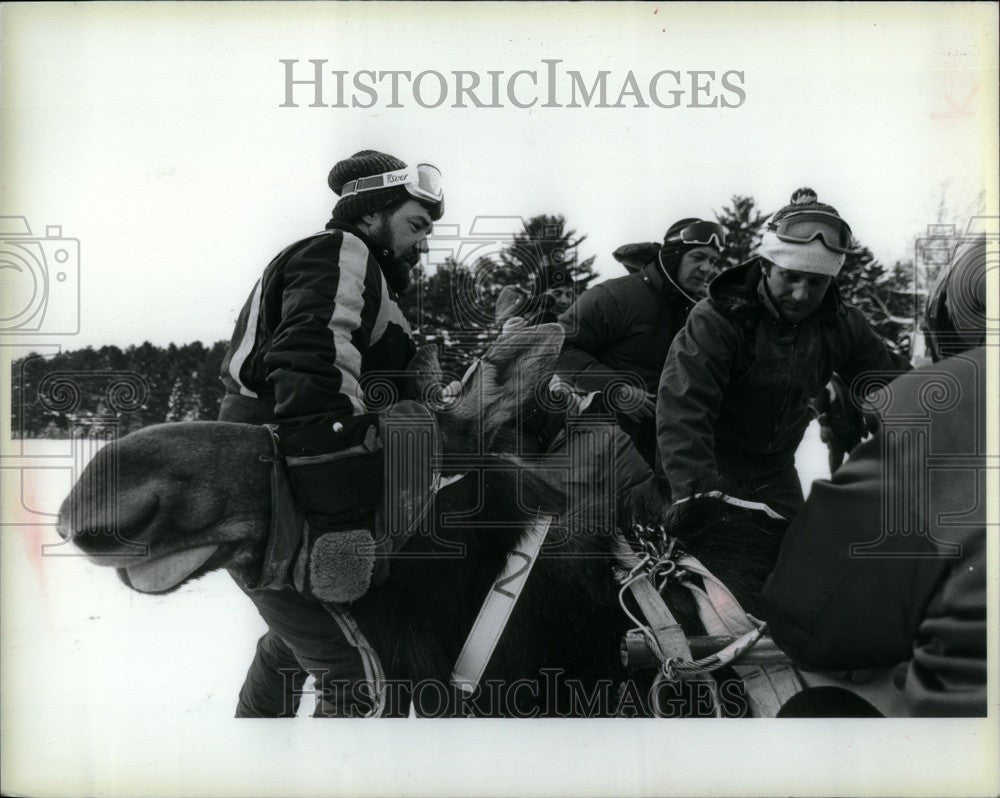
[[736, 292]]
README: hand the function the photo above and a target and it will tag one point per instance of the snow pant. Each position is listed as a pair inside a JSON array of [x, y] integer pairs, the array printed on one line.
[[302, 639], [770, 479], [302, 636]]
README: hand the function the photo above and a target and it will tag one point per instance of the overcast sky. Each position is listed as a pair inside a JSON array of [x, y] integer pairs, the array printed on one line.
[[154, 135]]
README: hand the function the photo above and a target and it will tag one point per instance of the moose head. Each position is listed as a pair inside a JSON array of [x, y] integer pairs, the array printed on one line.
[[171, 502]]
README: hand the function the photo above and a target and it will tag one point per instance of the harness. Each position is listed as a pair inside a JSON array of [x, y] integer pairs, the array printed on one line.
[[768, 684], [374, 672]]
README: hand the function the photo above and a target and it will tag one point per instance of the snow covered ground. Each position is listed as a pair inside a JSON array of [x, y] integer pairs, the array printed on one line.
[[108, 692], [97, 679], [86, 643]]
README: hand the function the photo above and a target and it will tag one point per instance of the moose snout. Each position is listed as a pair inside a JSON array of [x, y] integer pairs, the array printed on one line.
[[103, 526], [64, 522]]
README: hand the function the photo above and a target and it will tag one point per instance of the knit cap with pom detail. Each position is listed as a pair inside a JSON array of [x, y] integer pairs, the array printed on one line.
[[365, 163], [804, 199]]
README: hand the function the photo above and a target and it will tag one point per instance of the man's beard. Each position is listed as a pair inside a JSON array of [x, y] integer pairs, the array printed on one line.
[[397, 271]]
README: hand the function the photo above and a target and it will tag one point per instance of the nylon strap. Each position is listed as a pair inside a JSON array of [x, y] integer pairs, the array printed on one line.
[[670, 638], [744, 503], [721, 614], [497, 608]]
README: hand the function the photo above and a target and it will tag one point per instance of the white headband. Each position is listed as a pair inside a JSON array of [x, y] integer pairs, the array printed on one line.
[[812, 257]]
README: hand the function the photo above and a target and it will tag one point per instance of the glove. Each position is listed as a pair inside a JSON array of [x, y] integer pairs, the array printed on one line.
[[344, 550]]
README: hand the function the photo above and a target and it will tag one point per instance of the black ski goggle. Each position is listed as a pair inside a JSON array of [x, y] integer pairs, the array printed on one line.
[[707, 234]]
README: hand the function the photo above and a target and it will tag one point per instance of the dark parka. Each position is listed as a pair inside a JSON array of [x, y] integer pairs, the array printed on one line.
[[887, 561], [621, 330], [737, 381]]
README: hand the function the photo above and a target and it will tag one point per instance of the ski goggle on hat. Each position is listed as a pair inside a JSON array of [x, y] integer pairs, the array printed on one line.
[[422, 182], [801, 227], [707, 234]]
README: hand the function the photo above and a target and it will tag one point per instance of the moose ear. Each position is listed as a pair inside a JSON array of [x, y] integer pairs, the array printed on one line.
[[516, 368], [422, 372]]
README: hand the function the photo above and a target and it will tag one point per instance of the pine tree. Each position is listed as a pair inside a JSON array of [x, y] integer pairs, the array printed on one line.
[[452, 306], [545, 253], [444, 309], [743, 221], [884, 295]]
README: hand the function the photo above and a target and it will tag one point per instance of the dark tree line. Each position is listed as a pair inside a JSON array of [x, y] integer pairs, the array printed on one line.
[[451, 307], [139, 385]]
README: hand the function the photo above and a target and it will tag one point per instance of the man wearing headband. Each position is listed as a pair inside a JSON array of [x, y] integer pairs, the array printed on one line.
[[919, 597], [733, 400], [618, 332], [323, 316]]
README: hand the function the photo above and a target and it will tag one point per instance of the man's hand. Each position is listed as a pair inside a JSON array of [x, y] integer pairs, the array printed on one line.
[[633, 401]]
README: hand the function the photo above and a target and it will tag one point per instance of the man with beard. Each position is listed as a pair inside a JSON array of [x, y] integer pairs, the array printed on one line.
[[322, 317]]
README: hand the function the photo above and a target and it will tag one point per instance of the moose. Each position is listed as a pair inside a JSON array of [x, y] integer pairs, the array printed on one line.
[[166, 504]]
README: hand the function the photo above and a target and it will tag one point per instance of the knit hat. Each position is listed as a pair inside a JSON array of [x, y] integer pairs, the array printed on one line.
[[812, 257], [368, 163], [955, 316], [673, 230]]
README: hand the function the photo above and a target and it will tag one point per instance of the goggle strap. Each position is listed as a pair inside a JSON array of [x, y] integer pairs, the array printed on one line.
[[409, 178]]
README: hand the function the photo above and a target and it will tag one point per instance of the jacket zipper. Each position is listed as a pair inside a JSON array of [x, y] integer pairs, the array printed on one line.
[[785, 399]]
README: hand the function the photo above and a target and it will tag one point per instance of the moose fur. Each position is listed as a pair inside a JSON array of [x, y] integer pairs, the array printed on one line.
[[193, 497]]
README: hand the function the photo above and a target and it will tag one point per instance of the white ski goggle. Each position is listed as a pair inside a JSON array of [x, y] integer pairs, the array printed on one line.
[[422, 181]]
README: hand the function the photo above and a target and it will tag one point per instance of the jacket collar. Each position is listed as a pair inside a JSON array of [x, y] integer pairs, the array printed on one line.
[[384, 257], [655, 276]]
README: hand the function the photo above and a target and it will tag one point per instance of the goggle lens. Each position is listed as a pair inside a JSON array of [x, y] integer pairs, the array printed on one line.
[[703, 233], [802, 228], [429, 180]]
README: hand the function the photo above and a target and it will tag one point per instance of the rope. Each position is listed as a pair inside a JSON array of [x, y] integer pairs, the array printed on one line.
[[661, 564]]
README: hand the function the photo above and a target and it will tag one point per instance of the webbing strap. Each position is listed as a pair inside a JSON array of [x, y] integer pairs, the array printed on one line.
[[497, 608], [721, 614], [669, 636], [744, 503]]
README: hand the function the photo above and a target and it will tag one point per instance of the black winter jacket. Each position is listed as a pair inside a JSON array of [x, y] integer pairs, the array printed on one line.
[[319, 321], [622, 326], [739, 379], [887, 561]]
